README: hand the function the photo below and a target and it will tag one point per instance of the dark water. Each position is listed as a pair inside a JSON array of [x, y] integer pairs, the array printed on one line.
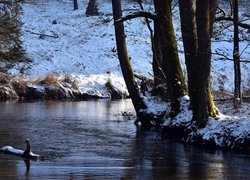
[[88, 140]]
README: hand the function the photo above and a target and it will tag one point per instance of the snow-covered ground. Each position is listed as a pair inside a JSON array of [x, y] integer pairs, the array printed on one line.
[[61, 41]]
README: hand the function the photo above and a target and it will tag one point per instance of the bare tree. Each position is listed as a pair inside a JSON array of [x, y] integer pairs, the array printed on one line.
[[236, 57]]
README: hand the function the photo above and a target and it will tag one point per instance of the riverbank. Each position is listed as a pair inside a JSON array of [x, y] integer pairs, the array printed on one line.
[[73, 57], [60, 88], [228, 132]]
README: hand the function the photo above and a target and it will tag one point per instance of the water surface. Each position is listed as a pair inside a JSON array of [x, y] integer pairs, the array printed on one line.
[[91, 140]]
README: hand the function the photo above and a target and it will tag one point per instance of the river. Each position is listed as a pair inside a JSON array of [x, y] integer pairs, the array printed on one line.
[[91, 140]]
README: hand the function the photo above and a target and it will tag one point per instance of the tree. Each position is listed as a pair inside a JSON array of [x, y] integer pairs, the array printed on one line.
[[236, 57], [126, 66], [196, 26], [92, 8], [167, 54], [75, 3], [10, 31]]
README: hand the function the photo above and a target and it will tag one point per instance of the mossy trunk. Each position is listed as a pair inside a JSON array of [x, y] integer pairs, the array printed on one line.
[[170, 60], [196, 33]]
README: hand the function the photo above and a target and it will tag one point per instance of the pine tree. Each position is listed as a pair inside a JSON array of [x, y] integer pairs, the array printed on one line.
[[10, 31]]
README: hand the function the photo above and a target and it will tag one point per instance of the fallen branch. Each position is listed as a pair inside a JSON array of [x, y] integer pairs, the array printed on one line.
[[228, 18], [42, 35], [232, 98], [224, 99]]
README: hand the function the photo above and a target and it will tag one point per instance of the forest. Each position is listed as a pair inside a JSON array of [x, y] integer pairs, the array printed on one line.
[[184, 64]]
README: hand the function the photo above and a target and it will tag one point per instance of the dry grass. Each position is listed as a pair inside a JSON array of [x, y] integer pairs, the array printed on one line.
[[4, 79], [50, 79], [22, 82]]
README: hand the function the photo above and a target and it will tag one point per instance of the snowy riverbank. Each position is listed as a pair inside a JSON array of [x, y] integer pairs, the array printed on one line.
[[230, 132]]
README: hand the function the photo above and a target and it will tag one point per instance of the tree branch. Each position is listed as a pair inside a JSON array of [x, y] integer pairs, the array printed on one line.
[[221, 10], [227, 58], [144, 14], [42, 35], [228, 18]]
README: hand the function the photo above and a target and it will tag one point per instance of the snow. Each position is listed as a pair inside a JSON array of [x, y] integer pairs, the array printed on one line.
[[224, 130], [11, 150], [84, 49]]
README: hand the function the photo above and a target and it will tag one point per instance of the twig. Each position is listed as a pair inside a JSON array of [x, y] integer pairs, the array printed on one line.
[[227, 58], [174, 5], [221, 11], [144, 14], [244, 49], [229, 18]]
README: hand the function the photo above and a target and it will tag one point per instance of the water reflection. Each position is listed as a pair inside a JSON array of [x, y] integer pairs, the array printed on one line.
[[87, 140], [27, 163]]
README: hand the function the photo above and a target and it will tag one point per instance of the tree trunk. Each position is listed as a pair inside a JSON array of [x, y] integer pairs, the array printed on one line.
[[189, 37], [75, 4], [126, 67], [196, 33], [91, 8], [159, 77], [170, 59], [212, 10], [236, 57]]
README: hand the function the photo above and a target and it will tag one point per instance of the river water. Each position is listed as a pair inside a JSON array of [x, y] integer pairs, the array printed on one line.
[[91, 140]]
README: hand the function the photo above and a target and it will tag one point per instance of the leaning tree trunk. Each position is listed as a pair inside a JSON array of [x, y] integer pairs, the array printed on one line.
[[170, 60], [236, 57], [196, 33], [126, 67]]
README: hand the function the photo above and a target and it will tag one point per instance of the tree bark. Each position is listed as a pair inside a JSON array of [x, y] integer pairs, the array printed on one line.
[[91, 8], [126, 67], [196, 33], [159, 77], [170, 60], [75, 3], [236, 57], [189, 37]]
